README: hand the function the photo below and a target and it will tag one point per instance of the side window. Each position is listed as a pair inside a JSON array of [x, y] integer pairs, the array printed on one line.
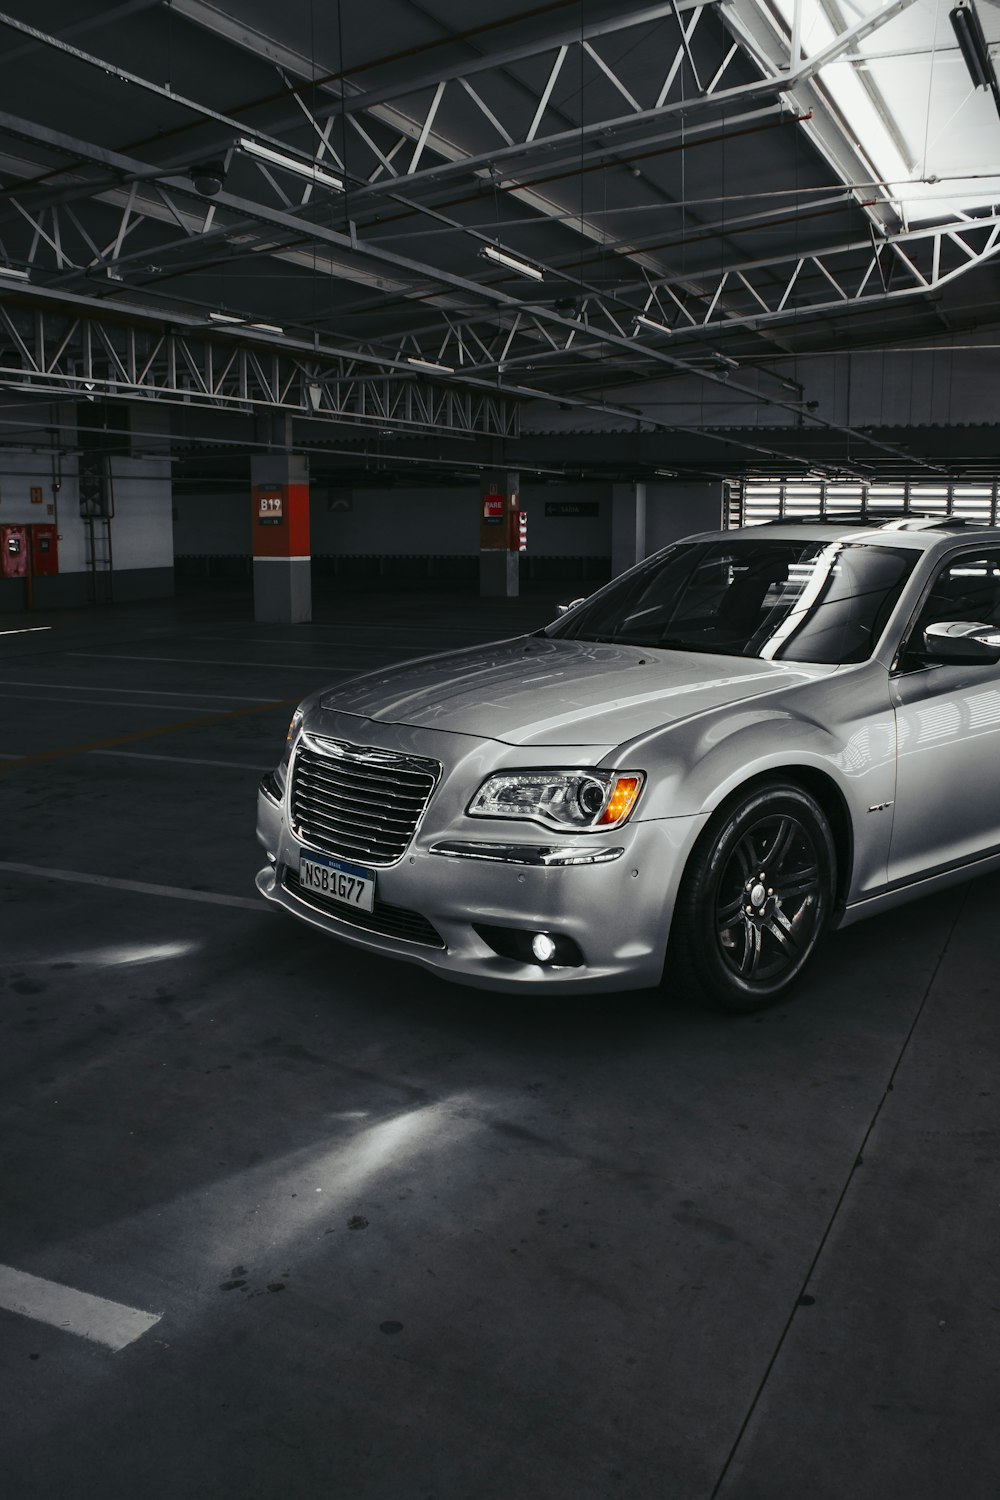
[[967, 588]]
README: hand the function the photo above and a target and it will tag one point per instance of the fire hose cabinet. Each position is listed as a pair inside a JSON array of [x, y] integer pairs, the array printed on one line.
[[13, 551], [44, 551]]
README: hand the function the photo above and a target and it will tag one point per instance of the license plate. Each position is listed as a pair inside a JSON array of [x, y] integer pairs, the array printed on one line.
[[338, 880]]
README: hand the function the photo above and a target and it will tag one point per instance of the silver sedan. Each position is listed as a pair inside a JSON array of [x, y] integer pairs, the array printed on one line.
[[748, 739]]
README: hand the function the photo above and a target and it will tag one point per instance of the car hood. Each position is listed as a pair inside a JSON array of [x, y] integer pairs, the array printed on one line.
[[536, 691]]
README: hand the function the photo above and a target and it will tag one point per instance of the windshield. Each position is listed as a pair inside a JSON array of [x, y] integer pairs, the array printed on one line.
[[800, 600]]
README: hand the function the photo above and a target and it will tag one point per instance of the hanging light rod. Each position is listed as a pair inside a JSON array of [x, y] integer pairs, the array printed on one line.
[[428, 364], [490, 252], [220, 317], [291, 164], [14, 273], [652, 323]]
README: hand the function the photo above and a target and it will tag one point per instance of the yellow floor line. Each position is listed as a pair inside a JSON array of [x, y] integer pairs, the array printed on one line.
[[43, 757]]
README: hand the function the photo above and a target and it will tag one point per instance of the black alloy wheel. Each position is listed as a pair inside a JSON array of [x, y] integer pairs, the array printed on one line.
[[755, 899]]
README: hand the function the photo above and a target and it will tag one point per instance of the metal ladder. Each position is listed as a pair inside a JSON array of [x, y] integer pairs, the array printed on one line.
[[99, 558]]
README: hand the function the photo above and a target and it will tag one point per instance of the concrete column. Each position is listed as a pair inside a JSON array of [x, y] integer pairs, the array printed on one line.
[[499, 510], [679, 508], [628, 526], [282, 577]]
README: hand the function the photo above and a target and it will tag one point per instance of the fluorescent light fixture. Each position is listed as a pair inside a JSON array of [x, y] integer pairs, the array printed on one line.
[[726, 359], [651, 323], [217, 317], [14, 273], [490, 252], [266, 327], [291, 164], [975, 50], [428, 364], [969, 35]]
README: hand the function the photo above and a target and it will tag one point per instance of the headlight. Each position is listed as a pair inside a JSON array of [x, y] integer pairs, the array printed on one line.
[[560, 799], [294, 726]]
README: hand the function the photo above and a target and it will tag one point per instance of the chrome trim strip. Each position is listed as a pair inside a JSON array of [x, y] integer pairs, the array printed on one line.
[[526, 854], [373, 755], [968, 867]]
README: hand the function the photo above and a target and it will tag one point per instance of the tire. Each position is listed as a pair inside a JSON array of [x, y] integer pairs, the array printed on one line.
[[741, 940]]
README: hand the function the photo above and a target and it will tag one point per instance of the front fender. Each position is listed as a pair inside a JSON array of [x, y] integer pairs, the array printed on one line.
[[697, 765]]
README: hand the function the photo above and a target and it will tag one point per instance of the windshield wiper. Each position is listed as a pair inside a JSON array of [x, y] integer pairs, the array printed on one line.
[[682, 643], [601, 640]]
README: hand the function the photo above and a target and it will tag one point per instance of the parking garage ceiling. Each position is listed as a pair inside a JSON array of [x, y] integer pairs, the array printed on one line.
[[583, 235]]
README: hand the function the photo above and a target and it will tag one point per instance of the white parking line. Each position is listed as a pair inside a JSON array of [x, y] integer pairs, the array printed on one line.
[[404, 627], [82, 687], [265, 640], [142, 887], [95, 1318], [184, 760], [205, 661]]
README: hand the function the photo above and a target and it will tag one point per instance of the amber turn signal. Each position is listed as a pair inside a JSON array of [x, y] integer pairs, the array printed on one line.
[[621, 802]]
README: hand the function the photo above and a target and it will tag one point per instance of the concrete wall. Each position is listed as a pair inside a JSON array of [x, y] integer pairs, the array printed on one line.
[[680, 508], [647, 517], [217, 524], [141, 530], [400, 521], [863, 388]]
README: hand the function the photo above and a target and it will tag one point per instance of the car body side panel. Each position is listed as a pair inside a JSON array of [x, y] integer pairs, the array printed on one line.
[[948, 803]]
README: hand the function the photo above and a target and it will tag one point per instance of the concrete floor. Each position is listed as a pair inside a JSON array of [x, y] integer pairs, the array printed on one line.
[[414, 1242]]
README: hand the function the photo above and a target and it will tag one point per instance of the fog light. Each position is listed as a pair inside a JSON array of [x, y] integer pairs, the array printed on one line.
[[521, 947], [543, 947]]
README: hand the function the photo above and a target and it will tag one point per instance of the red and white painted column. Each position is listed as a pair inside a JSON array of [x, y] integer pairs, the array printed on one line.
[[502, 534], [282, 562]]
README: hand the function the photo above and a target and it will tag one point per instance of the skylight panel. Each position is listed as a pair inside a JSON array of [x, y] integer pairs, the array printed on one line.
[[907, 104]]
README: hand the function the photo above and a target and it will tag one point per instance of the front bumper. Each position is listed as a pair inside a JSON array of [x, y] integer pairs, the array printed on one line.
[[617, 910]]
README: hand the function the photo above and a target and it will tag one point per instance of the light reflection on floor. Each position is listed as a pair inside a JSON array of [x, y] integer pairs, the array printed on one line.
[[118, 954], [256, 1217]]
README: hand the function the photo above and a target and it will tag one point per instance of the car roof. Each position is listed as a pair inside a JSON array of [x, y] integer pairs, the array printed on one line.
[[916, 533]]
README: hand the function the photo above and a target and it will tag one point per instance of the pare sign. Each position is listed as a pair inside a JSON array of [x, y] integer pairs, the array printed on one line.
[[493, 508]]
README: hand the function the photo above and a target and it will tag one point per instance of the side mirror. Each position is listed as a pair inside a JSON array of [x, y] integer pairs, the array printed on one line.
[[962, 641], [565, 608]]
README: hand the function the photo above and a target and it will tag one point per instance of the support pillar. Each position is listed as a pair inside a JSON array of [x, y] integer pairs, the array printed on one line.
[[628, 526], [282, 564], [499, 535]]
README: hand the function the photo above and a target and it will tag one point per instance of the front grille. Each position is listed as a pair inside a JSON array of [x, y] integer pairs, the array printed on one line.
[[357, 801], [391, 921]]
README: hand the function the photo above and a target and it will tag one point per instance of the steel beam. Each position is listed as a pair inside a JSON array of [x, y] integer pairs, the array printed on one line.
[[84, 356]]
